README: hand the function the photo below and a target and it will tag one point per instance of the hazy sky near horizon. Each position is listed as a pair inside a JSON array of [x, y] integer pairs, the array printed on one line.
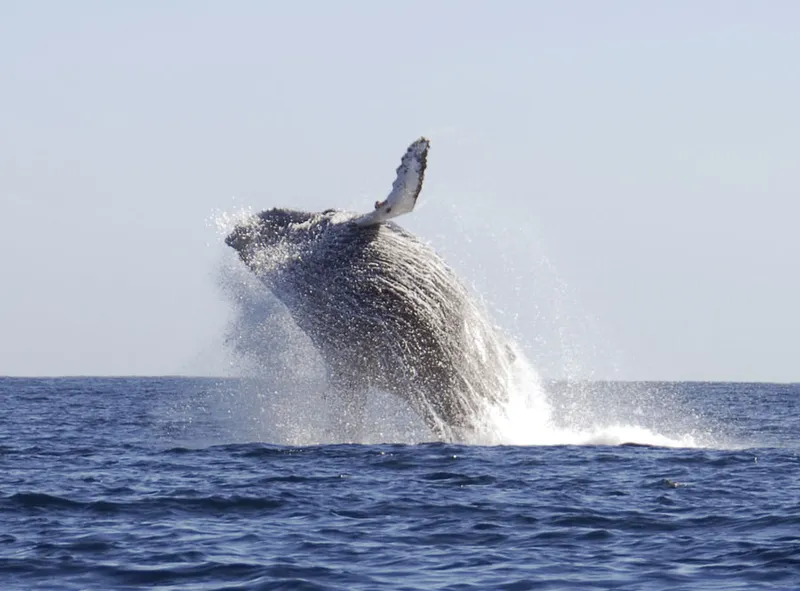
[[618, 179]]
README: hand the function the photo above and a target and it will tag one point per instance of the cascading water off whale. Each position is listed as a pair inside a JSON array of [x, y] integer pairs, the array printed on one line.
[[382, 308]]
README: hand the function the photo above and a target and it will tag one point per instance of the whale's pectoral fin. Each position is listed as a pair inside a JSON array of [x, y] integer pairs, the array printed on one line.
[[405, 188]]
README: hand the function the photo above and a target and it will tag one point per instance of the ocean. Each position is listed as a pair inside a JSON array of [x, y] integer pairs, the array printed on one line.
[[185, 483]]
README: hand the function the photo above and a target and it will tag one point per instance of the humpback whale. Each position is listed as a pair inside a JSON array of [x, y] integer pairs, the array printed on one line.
[[382, 307]]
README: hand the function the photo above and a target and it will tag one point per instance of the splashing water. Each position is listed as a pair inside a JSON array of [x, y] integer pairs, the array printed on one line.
[[286, 398], [531, 417]]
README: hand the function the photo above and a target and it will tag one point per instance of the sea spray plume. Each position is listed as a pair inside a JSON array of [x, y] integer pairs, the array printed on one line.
[[382, 308]]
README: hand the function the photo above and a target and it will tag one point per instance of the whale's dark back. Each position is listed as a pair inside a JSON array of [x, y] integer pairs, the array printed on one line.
[[384, 310]]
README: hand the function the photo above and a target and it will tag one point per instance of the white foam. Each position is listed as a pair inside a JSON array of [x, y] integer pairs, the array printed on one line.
[[528, 419]]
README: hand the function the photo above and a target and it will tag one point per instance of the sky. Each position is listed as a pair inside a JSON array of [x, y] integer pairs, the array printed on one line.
[[618, 181]]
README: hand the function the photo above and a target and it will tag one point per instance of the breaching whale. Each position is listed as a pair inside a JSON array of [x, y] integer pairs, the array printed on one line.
[[383, 309]]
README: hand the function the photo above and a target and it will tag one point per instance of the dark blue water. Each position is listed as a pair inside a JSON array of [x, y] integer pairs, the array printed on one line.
[[150, 483]]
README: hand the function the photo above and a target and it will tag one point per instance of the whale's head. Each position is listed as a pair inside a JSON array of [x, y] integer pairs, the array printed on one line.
[[276, 237], [274, 227]]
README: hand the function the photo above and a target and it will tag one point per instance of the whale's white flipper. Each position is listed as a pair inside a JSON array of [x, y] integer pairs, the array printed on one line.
[[405, 188]]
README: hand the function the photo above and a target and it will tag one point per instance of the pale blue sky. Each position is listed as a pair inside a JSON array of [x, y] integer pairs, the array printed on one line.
[[618, 179]]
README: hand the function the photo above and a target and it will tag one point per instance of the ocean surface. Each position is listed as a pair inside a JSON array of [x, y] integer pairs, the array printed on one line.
[[176, 483]]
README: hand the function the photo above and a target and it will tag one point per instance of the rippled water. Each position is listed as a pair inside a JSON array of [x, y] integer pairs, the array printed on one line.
[[191, 484]]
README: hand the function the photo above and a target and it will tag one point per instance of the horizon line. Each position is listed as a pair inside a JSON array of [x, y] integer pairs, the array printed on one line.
[[223, 377]]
